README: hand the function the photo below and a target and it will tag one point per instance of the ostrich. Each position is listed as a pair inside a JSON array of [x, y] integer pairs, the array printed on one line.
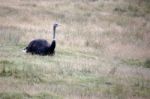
[[41, 46]]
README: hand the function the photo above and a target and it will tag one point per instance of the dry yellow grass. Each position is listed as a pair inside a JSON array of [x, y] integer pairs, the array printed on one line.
[[102, 49]]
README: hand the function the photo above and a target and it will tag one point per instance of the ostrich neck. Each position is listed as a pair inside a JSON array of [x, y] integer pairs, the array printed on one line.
[[54, 30]]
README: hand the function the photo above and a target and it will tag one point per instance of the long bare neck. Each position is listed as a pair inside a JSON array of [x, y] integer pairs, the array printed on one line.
[[54, 30]]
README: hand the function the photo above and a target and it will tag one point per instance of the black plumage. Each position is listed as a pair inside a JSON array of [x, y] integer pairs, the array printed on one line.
[[41, 46]]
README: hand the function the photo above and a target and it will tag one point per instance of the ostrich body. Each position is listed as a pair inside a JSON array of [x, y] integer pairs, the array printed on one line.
[[41, 46]]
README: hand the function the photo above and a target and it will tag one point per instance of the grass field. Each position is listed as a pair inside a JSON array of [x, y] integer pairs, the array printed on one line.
[[103, 49]]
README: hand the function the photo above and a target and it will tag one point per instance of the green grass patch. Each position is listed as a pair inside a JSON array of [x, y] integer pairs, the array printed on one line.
[[137, 62], [144, 92], [140, 87], [21, 70], [12, 95], [147, 63], [116, 91]]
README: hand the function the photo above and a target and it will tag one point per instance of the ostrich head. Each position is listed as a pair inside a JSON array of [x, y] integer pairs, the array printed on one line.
[[55, 25]]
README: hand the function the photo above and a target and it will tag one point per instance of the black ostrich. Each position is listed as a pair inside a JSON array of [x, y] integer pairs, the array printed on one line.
[[41, 46]]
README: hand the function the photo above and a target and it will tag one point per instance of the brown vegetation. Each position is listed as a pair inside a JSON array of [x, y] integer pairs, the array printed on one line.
[[102, 49]]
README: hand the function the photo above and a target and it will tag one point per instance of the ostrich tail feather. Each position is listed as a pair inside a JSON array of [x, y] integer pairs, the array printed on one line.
[[24, 50]]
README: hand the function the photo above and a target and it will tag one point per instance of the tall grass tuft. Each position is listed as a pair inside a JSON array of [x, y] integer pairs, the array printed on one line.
[[10, 35]]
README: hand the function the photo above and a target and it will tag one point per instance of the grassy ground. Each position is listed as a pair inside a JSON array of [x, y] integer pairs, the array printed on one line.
[[102, 49]]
